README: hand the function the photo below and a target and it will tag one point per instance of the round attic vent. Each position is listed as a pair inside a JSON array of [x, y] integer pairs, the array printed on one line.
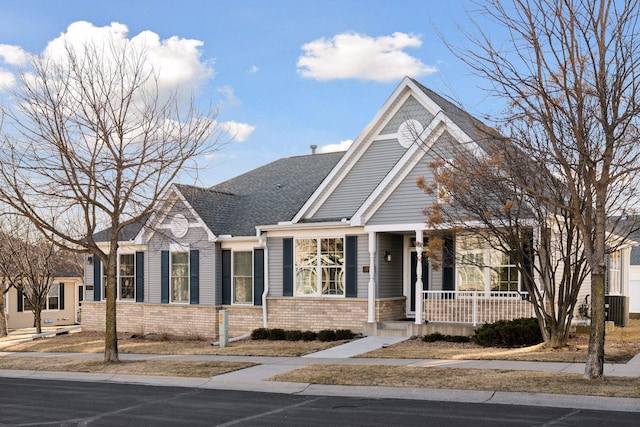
[[179, 226], [409, 132]]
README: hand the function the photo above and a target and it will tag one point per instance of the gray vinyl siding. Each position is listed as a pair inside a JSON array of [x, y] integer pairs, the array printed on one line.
[[363, 260], [405, 204], [412, 109], [435, 278], [196, 238], [390, 274], [361, 180], [178, 208], [275, 266]]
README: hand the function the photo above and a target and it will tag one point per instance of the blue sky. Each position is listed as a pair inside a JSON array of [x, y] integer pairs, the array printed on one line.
[[286, 74]]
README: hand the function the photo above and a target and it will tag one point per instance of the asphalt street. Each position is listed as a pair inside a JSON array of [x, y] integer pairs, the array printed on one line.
[[67, 403]]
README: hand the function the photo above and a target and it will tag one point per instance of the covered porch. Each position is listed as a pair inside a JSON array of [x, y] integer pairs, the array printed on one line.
[[399, 267]]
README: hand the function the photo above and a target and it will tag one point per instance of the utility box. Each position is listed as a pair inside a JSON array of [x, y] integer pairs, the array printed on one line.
[[223, 327], [617, 309]]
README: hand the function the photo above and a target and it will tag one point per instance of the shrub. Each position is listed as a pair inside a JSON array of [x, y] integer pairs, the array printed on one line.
[[260, 334], [344, 334], [293, 335], [327, 335], [309, 336], [437, 336], [509, 333], [277, 334]]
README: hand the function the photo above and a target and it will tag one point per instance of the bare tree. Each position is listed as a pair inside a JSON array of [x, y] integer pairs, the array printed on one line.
[[569, 73], [485, 199], [29, 263], [94, 142]]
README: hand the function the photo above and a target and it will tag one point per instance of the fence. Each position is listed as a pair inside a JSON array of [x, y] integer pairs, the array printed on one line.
[[475, 307]]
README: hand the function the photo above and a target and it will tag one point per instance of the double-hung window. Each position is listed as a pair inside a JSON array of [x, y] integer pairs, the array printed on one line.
[[482, 269], [180, 277], [126, 277], [319, 267], [615, 274], [53, 297], [51, 302], [242, 278]]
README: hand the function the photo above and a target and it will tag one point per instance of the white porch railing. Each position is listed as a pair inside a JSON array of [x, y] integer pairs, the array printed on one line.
[[475, 307]]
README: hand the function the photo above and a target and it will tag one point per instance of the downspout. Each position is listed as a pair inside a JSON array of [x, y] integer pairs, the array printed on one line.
[[263, 244]]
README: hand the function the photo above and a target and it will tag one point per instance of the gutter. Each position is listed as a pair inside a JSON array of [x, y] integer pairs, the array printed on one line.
[[263, 244]]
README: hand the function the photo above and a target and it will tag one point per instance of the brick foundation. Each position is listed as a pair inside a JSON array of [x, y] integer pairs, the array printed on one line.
[[391, 309], [315, 314], [199, 321]]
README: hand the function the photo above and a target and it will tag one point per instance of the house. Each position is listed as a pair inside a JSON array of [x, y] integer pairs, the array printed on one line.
[[311, 242], [62, 306]]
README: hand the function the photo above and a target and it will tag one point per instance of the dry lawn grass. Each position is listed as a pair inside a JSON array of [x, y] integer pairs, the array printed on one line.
[[197, 369], [90, 342], [621, 345], [465, 379]]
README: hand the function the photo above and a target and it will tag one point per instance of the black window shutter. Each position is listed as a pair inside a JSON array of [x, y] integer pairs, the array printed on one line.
[[20, 301], [449, 263], [139, 276], [287, 267], [351, 266], [164, 277], [194, 279], [226, 277], [258, 276], [61, 296], [97, 279], [527, 250]]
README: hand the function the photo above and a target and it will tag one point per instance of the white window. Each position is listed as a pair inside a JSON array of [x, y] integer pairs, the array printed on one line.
[[485, 269], [615, 273], [127, 277], [52, 300], [180, 277], [319, 267], [242, 277]]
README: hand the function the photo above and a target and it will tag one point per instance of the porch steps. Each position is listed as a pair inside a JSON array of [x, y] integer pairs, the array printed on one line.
[[394, 328], [407, 328]]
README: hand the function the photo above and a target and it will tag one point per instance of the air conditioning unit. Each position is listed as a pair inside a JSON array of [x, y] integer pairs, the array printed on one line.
[[617, 309]]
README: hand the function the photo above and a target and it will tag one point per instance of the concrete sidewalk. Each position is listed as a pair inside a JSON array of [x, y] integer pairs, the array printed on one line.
[[253, 378]]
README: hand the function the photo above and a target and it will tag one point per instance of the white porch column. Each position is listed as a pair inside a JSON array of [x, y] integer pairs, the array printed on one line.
[[418, 296], [371, 294]]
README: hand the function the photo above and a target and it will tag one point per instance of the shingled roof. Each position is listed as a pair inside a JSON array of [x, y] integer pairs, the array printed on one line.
[[267, 195]]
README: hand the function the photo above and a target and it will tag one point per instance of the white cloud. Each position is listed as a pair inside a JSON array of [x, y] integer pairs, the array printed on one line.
[[238, 131], [254, 69], [341, 146], [13, 55], [7, 80], [176, 61], [353, 55], [231, 99]]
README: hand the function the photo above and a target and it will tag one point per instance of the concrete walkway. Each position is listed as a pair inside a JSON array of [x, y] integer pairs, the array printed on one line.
[[254, 378]]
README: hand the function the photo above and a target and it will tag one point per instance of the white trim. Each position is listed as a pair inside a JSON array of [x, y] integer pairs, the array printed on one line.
[[158, 216], [361, 143], [396, 175]]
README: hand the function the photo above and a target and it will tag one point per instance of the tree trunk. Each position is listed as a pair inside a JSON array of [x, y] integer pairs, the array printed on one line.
[[3, 314], [594, 367], [111, 334], [37, 320]]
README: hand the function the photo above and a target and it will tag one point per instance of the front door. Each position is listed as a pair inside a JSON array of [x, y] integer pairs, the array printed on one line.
[[414, 277]]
